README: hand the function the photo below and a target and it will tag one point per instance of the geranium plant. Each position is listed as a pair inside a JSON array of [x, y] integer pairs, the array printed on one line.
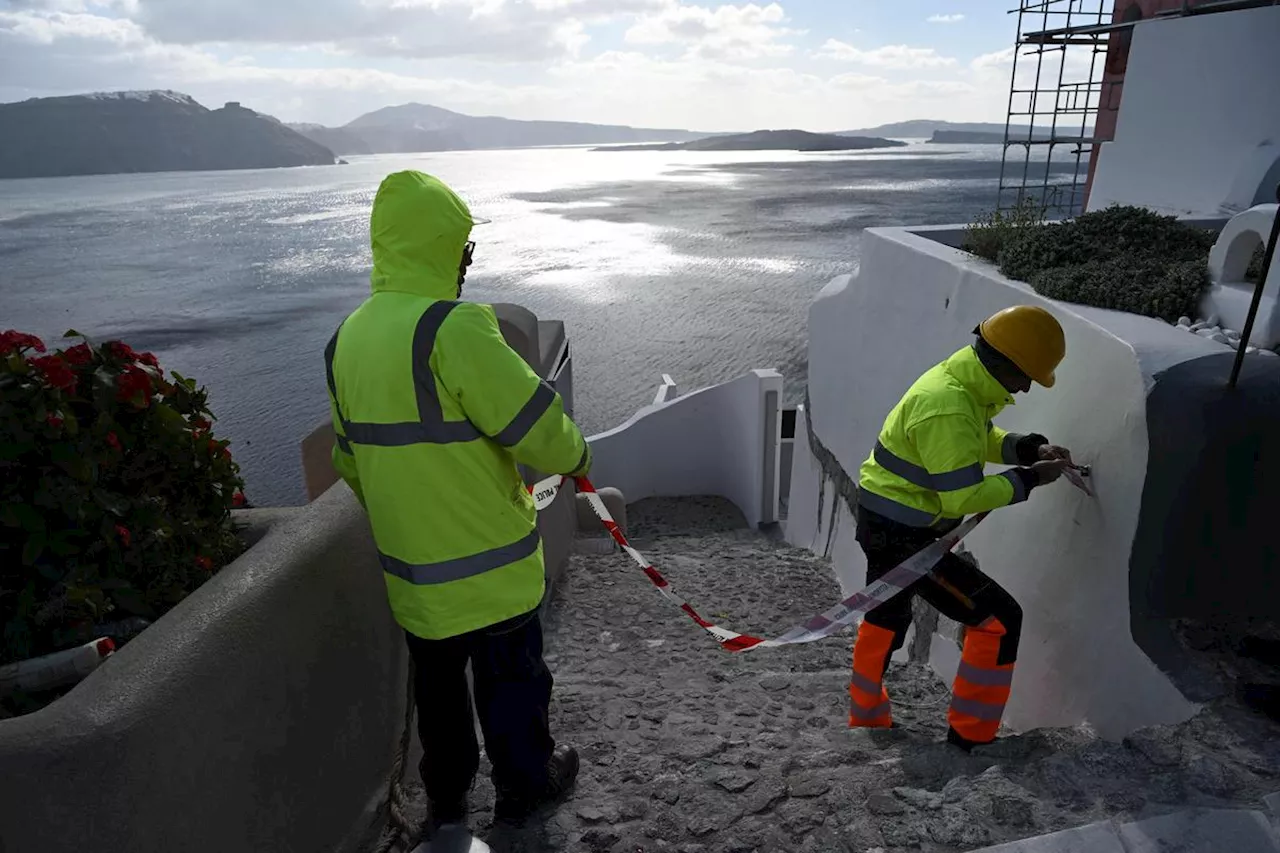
[[115, 496]]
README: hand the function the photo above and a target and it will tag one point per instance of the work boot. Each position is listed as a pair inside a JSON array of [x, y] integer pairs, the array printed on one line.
[[562, 770], [956, 739]]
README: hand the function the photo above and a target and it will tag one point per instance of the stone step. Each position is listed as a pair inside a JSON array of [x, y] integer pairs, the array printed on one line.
[[1190, 831]]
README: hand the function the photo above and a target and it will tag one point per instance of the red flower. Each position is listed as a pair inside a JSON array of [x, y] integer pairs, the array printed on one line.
[[79, 355], [55, 372], [149, 360], [53, 421], [113, 440], [126, 538], [134, 385], [200, 425], [226, 453], [204, 563], [238, 499], [121, 351], [11, 340]]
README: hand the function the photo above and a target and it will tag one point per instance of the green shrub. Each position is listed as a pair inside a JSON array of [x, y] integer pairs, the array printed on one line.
[[1123, 258], [987, 235], [115, 496], [1254, 272], [1151, 288]]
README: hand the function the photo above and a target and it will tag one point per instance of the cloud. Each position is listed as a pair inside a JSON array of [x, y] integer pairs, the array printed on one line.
[[946, 19], [896, 56], [497, 30], [679, 64], [726, 32], [998, 59]]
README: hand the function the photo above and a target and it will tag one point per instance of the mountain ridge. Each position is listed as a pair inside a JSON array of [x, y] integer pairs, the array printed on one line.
[[405, 128], [143, 131]]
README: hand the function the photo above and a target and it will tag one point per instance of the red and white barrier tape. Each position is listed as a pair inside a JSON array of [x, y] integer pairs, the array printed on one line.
[[816, 627]]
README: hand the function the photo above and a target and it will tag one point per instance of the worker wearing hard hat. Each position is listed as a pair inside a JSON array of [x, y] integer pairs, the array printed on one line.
[[924, 475]]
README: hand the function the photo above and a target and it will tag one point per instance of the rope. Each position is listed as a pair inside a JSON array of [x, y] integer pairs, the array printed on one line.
[[401, 828]]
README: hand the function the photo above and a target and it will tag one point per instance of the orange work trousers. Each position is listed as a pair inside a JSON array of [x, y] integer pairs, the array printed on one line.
[[960, 591]]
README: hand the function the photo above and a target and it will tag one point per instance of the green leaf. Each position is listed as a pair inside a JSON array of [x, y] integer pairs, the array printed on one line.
[[72, 333], [132, 601], [33, 549], [114, 504]]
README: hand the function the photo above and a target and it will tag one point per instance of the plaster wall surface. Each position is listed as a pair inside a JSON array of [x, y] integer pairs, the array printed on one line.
[[260, 714], [724, 440], [1065, 556], [1198, 130]]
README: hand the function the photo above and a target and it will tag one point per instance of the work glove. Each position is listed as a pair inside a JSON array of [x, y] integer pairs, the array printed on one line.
[[1049, 452], [1049, 470]]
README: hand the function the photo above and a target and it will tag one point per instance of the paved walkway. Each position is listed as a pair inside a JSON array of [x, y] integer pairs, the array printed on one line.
[[690, 749]]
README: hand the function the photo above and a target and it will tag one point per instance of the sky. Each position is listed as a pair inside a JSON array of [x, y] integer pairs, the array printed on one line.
[[695, 64]]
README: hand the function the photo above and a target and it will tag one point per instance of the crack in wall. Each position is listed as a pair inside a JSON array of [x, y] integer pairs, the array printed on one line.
[[843, 486], [925, 618]]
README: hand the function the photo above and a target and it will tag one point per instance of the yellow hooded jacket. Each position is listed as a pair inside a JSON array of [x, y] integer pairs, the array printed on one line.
[[433, 411]]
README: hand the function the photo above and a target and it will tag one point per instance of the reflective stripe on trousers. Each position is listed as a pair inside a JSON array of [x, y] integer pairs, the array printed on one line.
[[869, 705], [982, 685]]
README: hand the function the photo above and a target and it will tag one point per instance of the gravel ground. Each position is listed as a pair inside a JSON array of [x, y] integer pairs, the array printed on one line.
[[690, 749]]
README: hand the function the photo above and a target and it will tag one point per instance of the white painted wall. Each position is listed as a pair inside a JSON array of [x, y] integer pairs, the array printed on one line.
[[723, 440], [1230, 296], [1063, 555], [1199, 122]]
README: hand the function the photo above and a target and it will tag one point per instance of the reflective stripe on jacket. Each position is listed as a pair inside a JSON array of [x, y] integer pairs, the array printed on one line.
[[433, 410], [926, 470]]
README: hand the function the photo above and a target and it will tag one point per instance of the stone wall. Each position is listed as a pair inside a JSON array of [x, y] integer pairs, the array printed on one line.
[[260, 714]]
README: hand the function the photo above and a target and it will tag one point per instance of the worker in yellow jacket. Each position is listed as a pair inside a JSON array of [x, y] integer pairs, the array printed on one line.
[[923, 476], [433, 411]]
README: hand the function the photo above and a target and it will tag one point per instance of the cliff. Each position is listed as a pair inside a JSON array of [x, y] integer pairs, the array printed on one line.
[[154, 131]]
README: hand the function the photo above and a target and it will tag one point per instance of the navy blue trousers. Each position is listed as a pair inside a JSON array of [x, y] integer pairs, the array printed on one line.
[[512, 695]]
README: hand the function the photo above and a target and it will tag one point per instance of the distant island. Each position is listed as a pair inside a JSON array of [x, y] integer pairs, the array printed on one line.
[[967, 137], [151, 131], [421, 127], [767, 140], [957, 132]]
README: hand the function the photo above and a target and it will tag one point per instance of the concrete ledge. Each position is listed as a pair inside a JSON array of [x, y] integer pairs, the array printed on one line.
[[1190, 831], [1201, 831], [614, 501], [260, 714], [1093, 838]]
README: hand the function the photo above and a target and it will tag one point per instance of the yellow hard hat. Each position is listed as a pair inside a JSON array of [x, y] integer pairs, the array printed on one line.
[[1028, 336]]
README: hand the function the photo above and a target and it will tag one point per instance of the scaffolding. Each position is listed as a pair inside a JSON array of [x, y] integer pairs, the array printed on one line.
[[1055, 96], [1063, 101]]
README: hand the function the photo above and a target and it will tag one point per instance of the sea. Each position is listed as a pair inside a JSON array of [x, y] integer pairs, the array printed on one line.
[[698, 265]]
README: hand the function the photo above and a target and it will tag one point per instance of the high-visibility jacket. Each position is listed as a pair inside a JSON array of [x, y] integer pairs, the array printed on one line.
[[926, 469], [433, 410]]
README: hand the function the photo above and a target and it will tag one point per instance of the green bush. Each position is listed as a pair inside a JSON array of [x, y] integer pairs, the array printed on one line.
[[1151, 288], [1123, 258], [115, 496], [1254, 272], [988, 234]]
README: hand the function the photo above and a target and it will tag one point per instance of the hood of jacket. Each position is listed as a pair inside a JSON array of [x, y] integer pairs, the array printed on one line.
[[970, 372], [418, 230]]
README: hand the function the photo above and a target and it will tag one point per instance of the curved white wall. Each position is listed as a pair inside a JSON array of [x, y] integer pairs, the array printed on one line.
[[1199, 123], [1063, 555], [724, 440]]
